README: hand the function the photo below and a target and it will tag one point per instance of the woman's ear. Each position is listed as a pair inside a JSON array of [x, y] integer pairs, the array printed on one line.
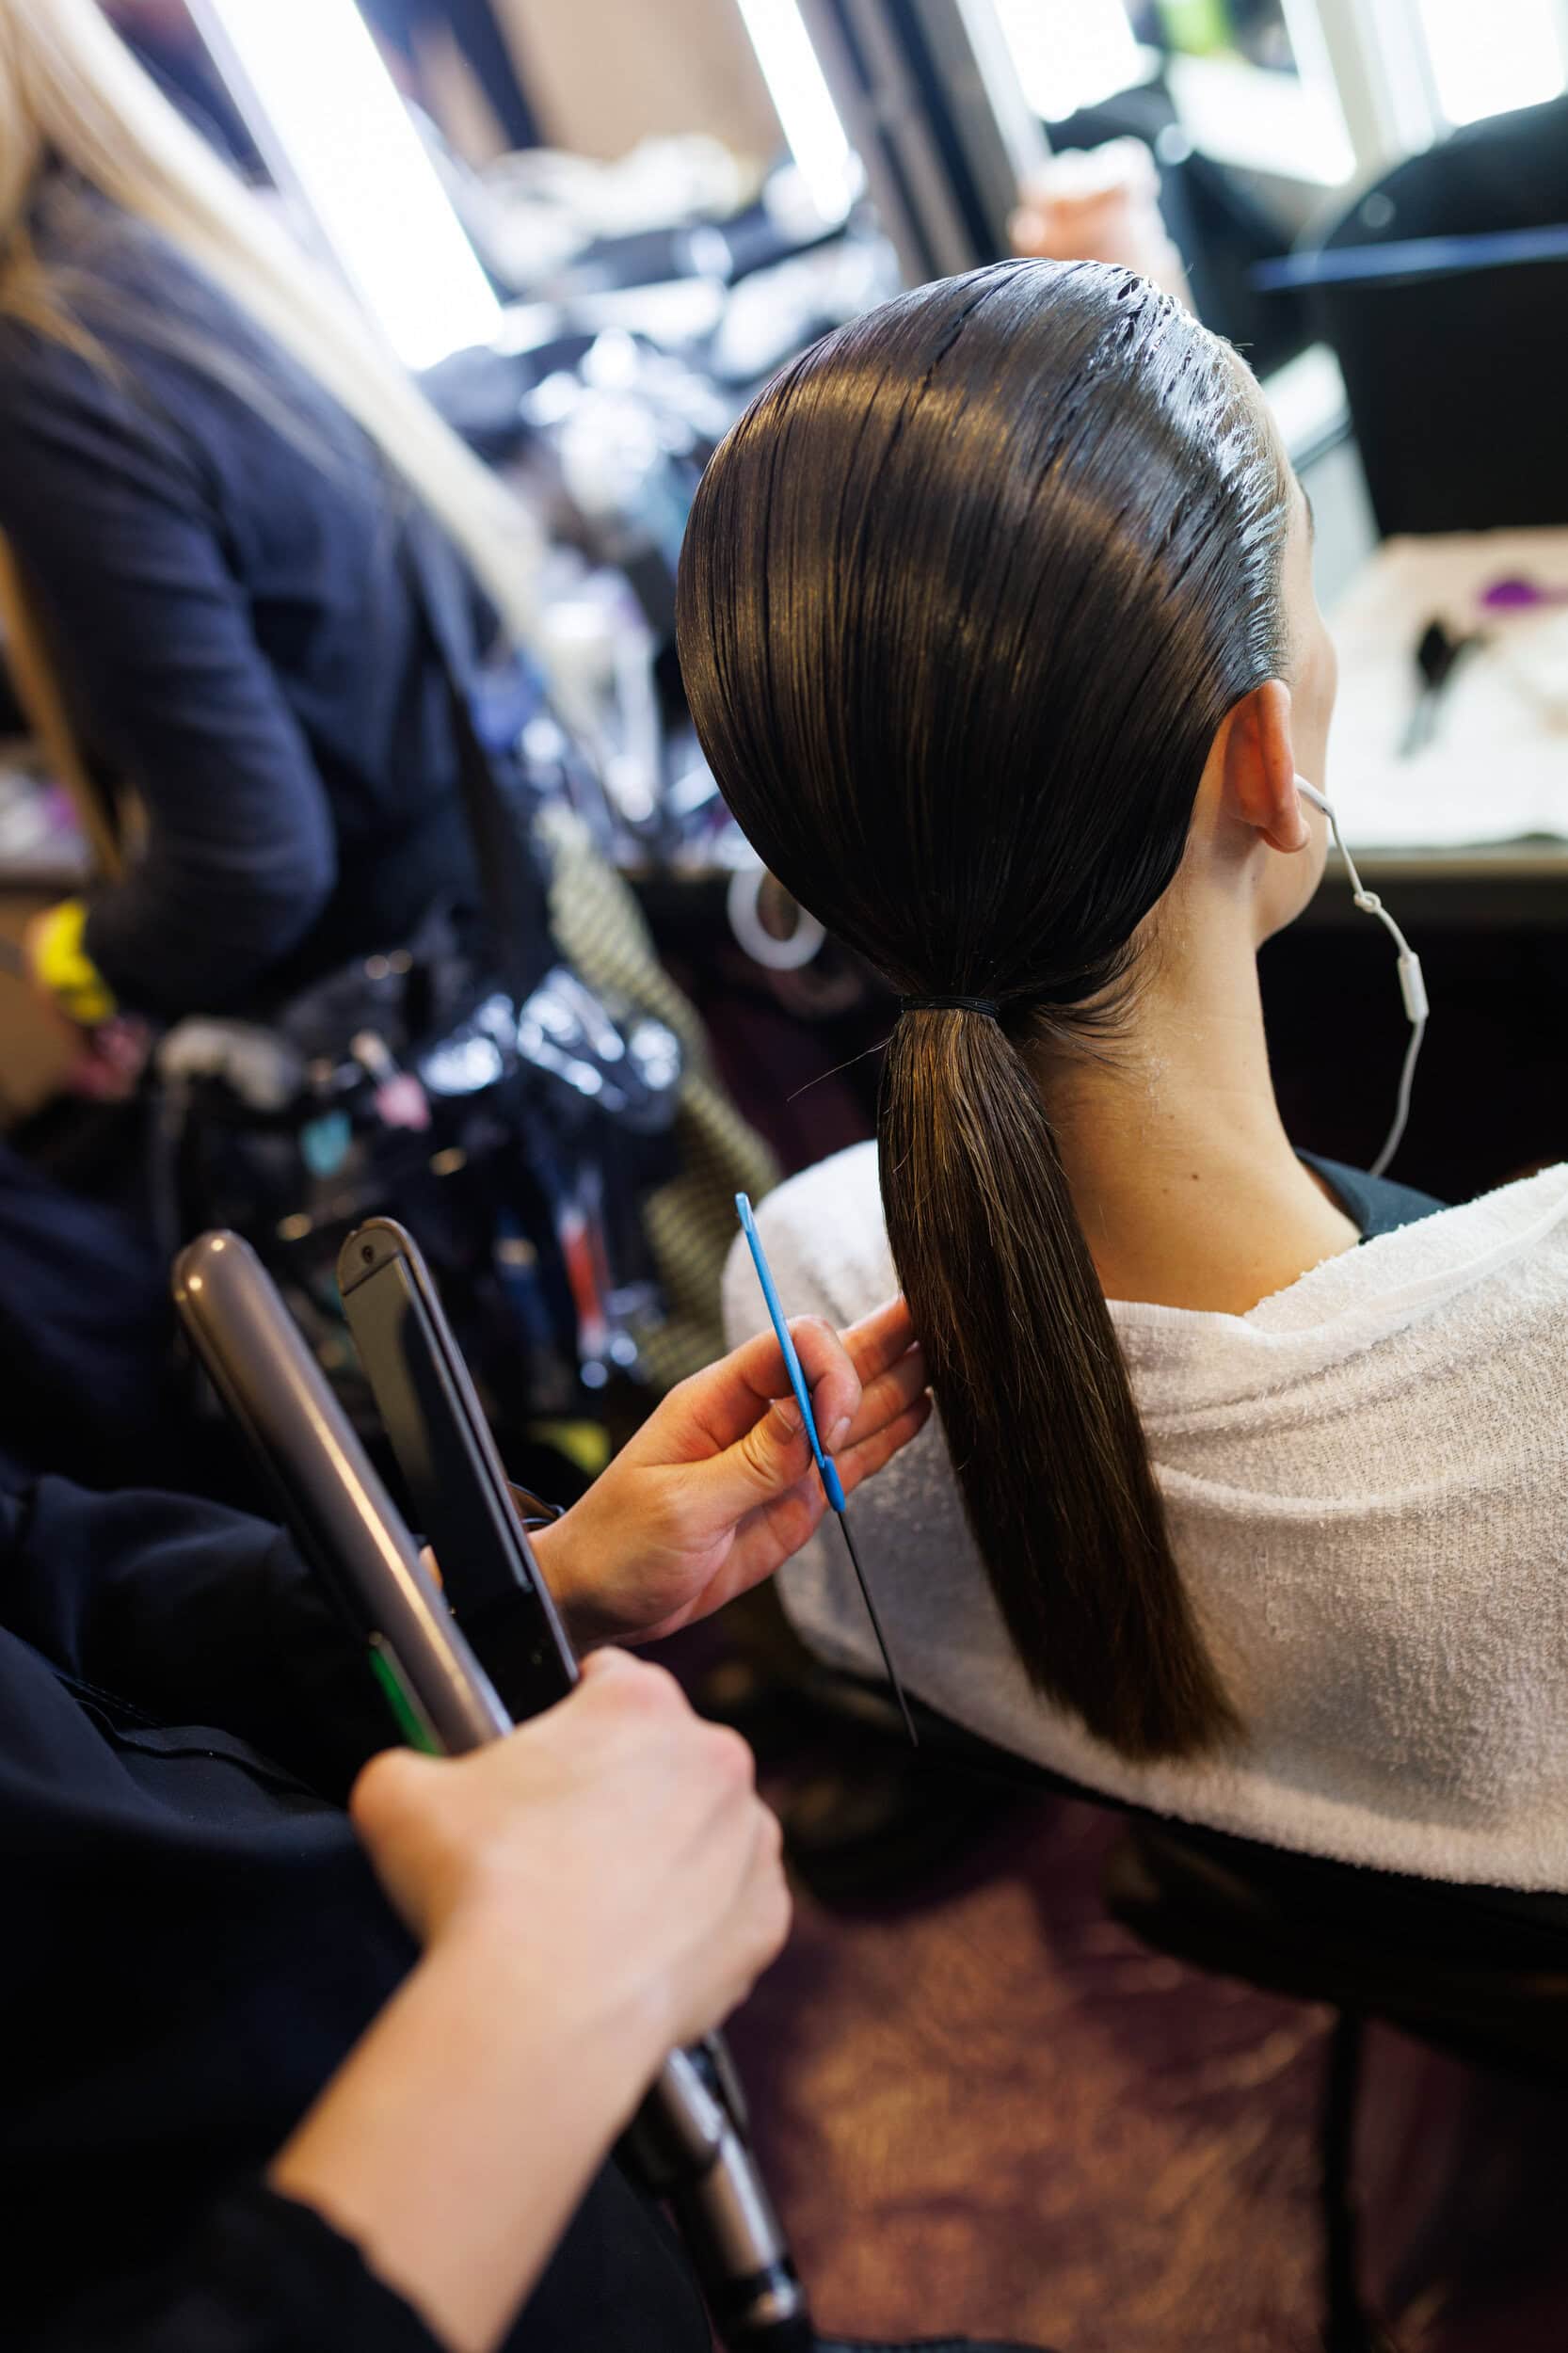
[[1259, 768]]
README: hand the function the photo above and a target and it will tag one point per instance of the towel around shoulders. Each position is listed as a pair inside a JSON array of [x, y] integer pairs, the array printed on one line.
[[1366, 1480]]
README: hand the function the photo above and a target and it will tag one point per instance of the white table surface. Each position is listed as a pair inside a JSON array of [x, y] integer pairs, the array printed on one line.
[[1491, 788]]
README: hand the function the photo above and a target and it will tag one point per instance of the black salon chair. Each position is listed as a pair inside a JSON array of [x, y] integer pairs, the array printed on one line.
[[1476, 1972], [1455, 376]]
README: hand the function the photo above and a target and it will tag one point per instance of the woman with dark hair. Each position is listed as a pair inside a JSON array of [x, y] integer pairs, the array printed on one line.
[[997, 621]]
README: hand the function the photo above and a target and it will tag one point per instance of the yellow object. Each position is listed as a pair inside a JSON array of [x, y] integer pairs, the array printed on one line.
[[63, 967], [584, 1443]]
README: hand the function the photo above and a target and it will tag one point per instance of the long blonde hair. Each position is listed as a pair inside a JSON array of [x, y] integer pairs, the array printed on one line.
[[72, 94]]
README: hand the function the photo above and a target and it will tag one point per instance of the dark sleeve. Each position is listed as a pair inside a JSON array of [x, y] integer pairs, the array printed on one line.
[[261, 2274], [121, 540], [1379, 1204], [197, 1614]]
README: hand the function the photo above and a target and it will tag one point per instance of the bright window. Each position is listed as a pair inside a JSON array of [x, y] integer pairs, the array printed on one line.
[[1070, 56], [803, 103], [347, 139], [1487, 59]]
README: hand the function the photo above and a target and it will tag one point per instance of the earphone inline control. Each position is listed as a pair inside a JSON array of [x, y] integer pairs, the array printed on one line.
[[1412, 988]]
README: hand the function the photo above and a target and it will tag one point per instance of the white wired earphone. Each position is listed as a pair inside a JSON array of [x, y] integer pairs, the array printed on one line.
[[1412, 988]]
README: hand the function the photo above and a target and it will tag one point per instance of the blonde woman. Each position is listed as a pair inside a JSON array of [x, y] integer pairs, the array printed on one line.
[[210, 477]]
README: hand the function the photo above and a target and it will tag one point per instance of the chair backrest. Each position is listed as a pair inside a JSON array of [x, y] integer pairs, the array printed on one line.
[[1479, 1971], [1483, 1970], [1455, 379]]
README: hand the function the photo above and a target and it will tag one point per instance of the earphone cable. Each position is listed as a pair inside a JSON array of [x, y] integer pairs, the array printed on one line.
[[1402, 1108], [1412, 988]]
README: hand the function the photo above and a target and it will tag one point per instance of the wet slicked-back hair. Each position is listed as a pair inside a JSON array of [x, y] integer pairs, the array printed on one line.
[[965, 595]]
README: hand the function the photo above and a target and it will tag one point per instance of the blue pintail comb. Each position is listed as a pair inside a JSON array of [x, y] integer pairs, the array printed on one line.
[[833, 1487]]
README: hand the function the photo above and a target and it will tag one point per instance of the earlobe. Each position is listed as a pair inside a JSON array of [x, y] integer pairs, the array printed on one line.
[[1260, 768]]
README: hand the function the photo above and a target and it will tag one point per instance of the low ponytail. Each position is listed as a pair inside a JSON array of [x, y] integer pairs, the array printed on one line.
[[967, 594], [1032, 1390]]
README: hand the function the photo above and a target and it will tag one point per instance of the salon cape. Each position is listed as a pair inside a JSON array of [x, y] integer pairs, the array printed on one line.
[[1366, 1481]]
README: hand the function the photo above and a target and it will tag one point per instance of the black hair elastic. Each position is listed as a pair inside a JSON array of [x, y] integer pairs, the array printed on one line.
[[949, 1004]]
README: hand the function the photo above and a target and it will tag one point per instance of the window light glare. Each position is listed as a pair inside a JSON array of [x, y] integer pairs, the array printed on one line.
[[362, 170], [1071, 55], [803, 103], [1487, 61]]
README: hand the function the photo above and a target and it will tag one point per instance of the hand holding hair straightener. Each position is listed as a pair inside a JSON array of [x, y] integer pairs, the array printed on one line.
[[734, 1506], [588, 1892]]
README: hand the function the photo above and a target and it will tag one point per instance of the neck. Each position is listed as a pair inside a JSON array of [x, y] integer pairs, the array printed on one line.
[[1184, 1179]]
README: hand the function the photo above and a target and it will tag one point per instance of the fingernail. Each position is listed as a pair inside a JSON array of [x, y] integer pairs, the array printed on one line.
[[789, 1414], [839, 1433]]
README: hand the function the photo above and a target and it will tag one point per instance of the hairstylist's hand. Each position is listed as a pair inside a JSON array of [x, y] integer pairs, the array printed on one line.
[[1099, 204], [718, 1487], [615, 1843], [594, 1889]]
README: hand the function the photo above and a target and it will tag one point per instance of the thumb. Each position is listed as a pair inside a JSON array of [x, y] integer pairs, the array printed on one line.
[[764, 1464], [773, 1455], [776, 1453]]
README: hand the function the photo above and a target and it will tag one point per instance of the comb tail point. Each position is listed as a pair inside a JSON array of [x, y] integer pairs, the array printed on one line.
[[876, 1628]]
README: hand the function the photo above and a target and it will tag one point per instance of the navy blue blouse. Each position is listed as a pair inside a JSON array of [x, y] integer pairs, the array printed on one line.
[[218, 565]]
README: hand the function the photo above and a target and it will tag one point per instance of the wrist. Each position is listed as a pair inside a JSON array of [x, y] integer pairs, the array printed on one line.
[[558, 1552], [609, 2018], [457, 2137], [552, 1548]]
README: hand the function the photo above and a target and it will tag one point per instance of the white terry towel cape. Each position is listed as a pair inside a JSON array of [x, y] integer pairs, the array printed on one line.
[[1366, 1480]]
